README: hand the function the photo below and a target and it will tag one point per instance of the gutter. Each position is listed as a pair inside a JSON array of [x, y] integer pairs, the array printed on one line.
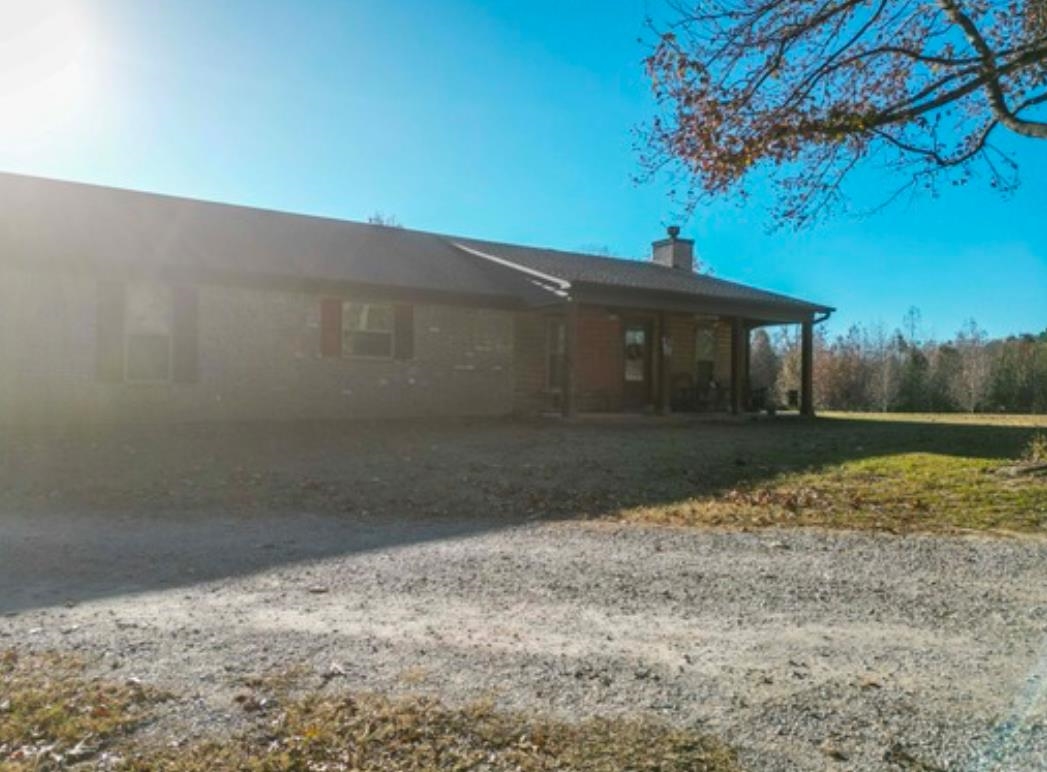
[[771, 312]]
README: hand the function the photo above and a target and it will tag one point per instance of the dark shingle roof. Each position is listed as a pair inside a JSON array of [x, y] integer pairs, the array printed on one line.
[[49, 221], [577, 267]]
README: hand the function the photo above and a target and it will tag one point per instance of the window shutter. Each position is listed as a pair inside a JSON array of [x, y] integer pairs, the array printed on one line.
[[185, 329], [331, 327], [109, 331], [403, 332]]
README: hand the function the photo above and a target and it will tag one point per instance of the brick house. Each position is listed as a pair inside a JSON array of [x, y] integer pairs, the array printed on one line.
[[120, 305]]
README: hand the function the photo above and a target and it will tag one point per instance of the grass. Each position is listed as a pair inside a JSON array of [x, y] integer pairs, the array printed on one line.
[[367, 732], [898, 473], [1030, 420], [50, 707], [51, 715]]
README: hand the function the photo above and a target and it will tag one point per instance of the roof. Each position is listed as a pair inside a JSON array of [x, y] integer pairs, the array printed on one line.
[[50, 221], [63, 223], [579, 268]]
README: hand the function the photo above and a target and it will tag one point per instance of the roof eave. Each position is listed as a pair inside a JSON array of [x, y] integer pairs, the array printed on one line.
[[765, 312]]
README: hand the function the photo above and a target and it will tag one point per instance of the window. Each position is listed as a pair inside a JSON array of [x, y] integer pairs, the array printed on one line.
[[556, 353], [367, 330], [147, 341]]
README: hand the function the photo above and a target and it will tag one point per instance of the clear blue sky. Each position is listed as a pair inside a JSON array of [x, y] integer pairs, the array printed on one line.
[[497, 119]]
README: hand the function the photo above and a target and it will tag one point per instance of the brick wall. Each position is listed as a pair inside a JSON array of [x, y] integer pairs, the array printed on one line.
[[259, 358], [681, 330], [531, 392], [600, 364], [722, 363]]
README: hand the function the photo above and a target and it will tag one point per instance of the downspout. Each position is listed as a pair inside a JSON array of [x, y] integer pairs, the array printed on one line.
[[824, 317]]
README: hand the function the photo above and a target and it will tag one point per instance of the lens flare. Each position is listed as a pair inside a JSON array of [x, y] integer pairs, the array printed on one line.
[[47, 69]]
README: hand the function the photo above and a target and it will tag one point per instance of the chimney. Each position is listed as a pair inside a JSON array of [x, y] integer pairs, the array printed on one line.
[[674, 252]]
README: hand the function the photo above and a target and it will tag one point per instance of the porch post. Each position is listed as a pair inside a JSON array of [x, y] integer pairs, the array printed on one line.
[[661, 367], [739, 364], [747, 360], [570, 377], [807, 368]]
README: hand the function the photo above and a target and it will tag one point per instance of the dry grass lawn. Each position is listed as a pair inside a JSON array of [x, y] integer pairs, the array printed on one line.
[[893, 472], [54, 717], [896, 472]]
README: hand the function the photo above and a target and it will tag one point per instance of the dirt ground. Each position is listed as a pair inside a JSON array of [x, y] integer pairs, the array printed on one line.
[[465, 562]]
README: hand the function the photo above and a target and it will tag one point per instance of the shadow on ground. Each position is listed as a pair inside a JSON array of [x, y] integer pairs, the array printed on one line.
[[87, 513]]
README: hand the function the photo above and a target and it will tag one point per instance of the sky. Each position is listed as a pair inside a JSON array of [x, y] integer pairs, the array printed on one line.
[[496, 119]]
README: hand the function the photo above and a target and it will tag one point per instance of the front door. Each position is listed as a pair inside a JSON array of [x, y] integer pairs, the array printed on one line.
[[637, 391]]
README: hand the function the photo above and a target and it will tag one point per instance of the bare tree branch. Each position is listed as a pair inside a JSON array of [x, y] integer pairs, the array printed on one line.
[[992, 74], [806, 90]]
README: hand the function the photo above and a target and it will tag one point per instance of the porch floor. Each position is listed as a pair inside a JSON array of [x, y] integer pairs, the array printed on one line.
[[654, 419]]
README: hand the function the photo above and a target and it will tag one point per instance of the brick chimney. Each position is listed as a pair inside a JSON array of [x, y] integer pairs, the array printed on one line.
[[674, 252]]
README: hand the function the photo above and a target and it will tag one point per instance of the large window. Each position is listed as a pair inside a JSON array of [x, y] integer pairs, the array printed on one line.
[[147, 342], [367, 329], [556, 353]]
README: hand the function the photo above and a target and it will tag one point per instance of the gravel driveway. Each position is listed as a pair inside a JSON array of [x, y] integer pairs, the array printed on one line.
[[805, 649]]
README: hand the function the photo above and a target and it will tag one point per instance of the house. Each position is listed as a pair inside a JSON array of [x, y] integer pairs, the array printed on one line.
[[121, 305]]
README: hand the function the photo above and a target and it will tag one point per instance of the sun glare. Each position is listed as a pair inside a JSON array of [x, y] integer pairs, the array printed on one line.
[[47, 68]]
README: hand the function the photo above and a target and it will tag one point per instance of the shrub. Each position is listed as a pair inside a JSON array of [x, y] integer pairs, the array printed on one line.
[[1036, 450]]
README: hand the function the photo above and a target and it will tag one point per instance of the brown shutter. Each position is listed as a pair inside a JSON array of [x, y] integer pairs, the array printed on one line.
[[331, 327], [109, 331], [403, 332], [185, 328]]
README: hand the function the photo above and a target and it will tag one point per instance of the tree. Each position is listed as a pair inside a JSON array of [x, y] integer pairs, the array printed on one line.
[[943, 372], [763, 363], [787, 347], [388, 220], [808, 90], [869, 369], [912, 325], [913, 378], [882, 348], [842, 372], [972, 376], [602, 250], [1016, 374]]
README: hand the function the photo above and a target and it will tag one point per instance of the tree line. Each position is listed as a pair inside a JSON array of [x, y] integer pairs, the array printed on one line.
[[871, 368]]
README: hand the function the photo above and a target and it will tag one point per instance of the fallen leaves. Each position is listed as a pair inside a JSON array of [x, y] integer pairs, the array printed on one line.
[[792, 499], [55, 715], [372, 732]]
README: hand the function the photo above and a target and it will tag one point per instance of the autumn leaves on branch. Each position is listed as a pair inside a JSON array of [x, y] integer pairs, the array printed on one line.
[[804, 91]]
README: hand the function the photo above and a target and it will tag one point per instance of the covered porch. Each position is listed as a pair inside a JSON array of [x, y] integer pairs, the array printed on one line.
[[649, 337], [660, 355]]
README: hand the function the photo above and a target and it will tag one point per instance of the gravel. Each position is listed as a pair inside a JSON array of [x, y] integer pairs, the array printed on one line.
[[804, 649]]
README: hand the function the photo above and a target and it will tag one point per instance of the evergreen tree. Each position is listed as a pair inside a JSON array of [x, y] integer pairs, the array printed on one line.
[[763, 363]]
